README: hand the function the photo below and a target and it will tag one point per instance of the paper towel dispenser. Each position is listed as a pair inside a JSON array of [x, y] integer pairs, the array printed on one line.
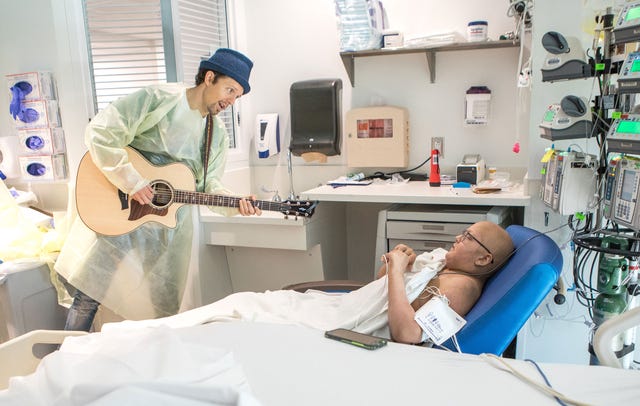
[[315, 116]]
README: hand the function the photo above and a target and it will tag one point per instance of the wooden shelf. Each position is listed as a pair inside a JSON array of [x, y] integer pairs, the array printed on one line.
[[348, 58]]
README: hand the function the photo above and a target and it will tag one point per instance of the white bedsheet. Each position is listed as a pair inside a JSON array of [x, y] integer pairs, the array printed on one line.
[[145, 367], [363, 310]]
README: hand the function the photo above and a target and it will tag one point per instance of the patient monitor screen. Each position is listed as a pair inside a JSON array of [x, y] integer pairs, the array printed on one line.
[[376, 128], [628, 127], [628, 184], [632, 14]]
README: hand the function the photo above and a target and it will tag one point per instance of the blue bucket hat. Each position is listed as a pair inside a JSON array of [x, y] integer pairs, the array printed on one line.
[[231, 63]]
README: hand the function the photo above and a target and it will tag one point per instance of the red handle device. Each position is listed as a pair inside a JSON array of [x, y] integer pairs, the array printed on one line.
[[434, 176]]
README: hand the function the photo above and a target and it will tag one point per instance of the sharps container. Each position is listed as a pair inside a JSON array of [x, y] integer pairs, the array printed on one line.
[[28, 299], [477, 31]]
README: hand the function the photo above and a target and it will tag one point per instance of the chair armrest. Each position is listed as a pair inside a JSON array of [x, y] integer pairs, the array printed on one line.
[[326, 286]]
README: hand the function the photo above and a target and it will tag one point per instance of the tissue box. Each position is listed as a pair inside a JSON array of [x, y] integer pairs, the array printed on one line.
[[43, 167], [42, 85], [46, 114], [41, 141]]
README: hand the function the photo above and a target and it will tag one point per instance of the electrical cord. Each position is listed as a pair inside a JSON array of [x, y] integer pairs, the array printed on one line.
[[382, 175]]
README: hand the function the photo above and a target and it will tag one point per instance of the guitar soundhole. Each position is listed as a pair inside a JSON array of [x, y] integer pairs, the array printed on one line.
[[162, 194]]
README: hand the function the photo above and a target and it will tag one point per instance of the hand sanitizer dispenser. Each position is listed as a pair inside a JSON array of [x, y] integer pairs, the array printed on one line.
[[267, 135]]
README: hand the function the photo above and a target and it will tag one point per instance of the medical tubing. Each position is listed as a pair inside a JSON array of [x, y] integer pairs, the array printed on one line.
[[545, 389], [535, 364]]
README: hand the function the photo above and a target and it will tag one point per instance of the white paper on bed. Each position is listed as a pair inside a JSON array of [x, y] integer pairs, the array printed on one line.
[[363, 310], [144, 367]]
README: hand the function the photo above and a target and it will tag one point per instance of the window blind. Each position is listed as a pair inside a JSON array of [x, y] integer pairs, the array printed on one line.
[[125, 47], [127, 44], [203, 29]]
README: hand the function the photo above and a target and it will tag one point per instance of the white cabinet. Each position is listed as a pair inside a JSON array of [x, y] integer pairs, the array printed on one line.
[[268, 252]]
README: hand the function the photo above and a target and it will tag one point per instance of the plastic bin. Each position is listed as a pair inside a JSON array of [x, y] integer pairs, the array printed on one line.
[[28, 300]]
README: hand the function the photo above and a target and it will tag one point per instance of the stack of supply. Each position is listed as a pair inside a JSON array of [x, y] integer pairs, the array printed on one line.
[[360, 24], [34, 109]]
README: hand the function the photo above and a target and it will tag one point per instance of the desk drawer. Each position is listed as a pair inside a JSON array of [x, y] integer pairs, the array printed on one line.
[[420, 246], [419, 230]]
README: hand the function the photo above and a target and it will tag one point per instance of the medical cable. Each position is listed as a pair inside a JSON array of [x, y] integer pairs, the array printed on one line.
[[535, 364], [545, 389], [382, 175], [386, 264], [432, 291]]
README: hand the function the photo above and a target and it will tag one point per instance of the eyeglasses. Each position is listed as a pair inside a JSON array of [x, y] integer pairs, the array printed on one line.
[[466, 235]]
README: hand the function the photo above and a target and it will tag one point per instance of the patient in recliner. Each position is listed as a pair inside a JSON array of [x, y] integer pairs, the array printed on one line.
[[385, 307], [476, 254]]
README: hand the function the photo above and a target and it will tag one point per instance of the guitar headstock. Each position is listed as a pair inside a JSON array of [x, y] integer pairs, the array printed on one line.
[[303, 208]]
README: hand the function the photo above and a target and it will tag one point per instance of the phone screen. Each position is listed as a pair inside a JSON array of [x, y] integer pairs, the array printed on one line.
[[354, 338]]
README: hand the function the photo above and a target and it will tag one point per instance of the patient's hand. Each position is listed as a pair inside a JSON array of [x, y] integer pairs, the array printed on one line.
[[399, 260], [407, 251], [405, 259]]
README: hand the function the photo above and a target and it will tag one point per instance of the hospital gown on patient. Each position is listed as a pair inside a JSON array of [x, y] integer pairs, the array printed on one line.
[[142, 274], [363, 310]]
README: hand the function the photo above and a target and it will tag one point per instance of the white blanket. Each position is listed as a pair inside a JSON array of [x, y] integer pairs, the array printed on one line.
[[363, 310], [127, 364], [144, 367]]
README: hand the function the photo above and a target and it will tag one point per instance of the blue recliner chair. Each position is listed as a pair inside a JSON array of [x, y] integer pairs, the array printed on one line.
[[512, 294]]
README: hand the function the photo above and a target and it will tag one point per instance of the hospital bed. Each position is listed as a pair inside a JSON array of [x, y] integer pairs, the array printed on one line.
[[277, 364]]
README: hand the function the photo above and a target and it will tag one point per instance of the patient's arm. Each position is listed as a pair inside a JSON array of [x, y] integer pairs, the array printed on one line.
[[402, 326]]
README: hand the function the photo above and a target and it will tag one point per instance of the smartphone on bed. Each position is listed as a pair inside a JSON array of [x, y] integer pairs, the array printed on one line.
[[354, 338]]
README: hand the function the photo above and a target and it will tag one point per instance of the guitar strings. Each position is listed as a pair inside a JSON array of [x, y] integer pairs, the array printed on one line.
[[221, 200]]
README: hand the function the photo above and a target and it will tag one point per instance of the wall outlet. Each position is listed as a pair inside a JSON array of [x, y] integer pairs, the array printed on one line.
[[438, 143]]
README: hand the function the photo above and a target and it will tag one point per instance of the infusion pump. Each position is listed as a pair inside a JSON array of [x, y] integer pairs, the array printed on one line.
[[624, 197], [569, 182]]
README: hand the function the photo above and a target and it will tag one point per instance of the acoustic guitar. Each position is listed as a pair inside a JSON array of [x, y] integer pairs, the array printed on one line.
[[108, 211]]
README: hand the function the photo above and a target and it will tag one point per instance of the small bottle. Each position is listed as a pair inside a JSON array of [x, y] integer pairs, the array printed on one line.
[[477, 31], [492, 172]]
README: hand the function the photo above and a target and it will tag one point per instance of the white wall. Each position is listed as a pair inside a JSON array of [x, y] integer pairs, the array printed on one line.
[[293, 40]]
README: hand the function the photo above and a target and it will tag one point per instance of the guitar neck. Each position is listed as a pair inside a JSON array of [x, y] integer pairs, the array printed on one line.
[[206, 199]]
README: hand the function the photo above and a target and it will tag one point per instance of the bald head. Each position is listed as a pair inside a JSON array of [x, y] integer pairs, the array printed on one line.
[[481, 249], [496, 239]]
